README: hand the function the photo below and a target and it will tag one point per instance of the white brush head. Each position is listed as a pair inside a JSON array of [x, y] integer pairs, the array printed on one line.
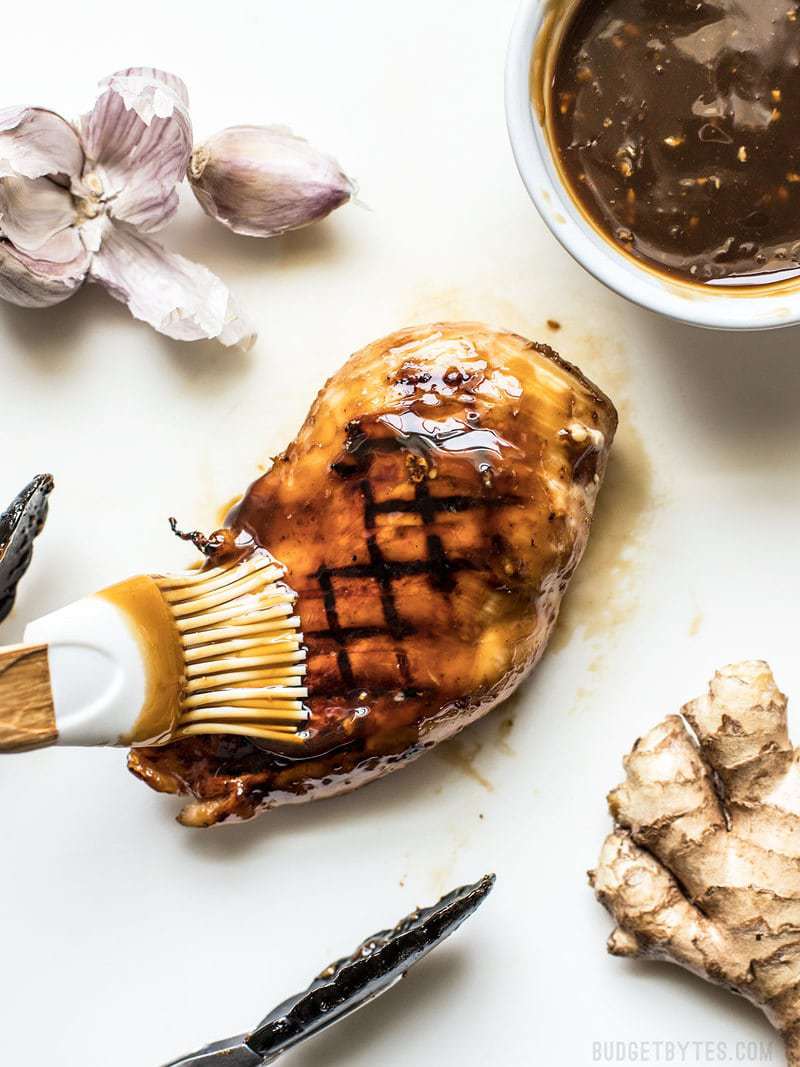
[[154, 660], [98, 673]]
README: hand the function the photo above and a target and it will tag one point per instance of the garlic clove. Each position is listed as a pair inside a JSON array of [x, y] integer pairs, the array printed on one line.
[[29, 281], [34, 142], [138, 140], [33, 210], [262, 181], [179, 298], [67, 246]]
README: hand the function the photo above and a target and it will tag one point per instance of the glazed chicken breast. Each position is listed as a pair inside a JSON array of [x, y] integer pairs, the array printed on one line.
[[430, 514]]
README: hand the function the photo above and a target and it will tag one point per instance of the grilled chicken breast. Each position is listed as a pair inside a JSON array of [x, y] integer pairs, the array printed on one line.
[[430, 514]]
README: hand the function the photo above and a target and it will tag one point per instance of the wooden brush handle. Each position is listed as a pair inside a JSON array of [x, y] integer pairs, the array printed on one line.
[[27, 715]]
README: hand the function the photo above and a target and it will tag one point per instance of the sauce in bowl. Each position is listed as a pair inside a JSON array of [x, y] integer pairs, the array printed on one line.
[[677, 127]]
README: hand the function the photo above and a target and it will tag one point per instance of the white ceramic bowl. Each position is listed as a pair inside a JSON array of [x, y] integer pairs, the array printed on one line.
[[757, 308]]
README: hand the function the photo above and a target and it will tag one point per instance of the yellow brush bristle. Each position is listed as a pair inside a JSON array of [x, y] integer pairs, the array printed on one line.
[[243, 651]]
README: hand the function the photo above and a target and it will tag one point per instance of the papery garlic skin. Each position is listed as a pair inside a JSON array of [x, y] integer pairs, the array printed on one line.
[[43, 260], [137, 139], [181, 299], [34, 281], [35, 142], [262, 181]]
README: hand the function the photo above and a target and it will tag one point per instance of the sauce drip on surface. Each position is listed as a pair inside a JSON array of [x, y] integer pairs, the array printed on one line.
[[677, 124]]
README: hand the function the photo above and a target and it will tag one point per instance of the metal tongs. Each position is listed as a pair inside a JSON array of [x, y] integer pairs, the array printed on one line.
[[375, 966]]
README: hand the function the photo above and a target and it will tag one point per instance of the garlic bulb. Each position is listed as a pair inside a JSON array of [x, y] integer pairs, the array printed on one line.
[[262, 181], [79, 203]]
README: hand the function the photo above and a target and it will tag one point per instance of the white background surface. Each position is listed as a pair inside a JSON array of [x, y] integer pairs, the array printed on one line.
[[127, 940]]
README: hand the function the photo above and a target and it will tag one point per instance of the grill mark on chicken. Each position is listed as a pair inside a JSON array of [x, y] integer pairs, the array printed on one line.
[[335, 629], [438, 565], [453, 504], [441, 568]]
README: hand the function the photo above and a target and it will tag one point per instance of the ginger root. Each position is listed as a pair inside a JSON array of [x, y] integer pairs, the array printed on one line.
[[703, 866]]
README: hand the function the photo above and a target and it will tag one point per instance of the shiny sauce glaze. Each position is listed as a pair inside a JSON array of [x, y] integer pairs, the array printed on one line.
[[677, 126]]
